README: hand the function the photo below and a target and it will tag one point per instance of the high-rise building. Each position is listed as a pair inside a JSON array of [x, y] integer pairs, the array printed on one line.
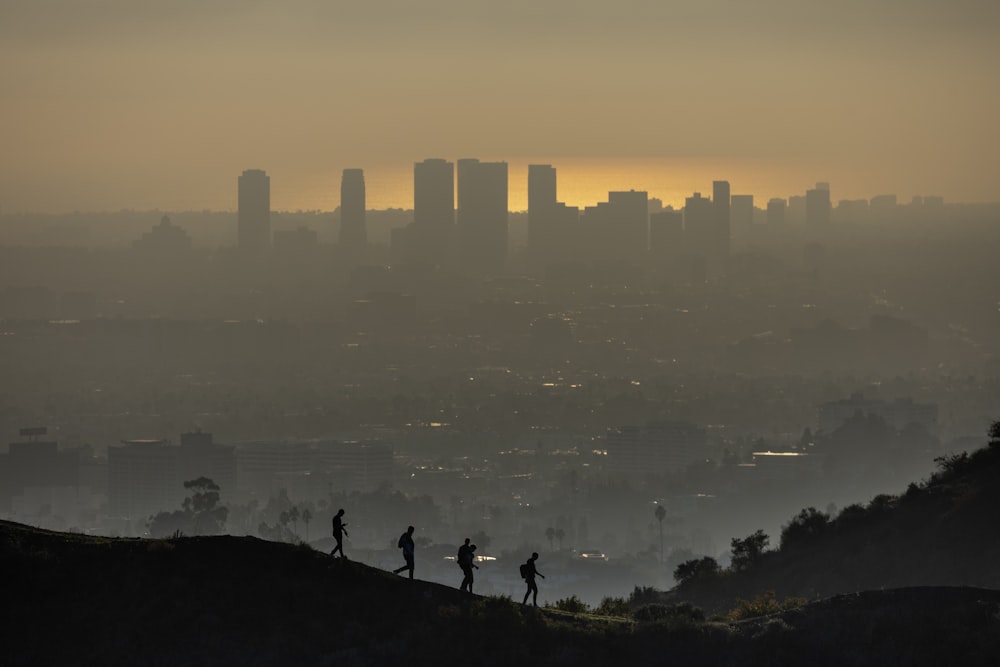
[[254, 216], [666, 233], [617, 229], [775, 213], [550, 222], [741, 215], [818, 205], [433, 227], [482, 215], [353, 235], [719, 258]]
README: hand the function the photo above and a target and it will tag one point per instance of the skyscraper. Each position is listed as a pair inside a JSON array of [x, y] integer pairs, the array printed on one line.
[[482, 215], [775, 213], [433, 211], [541, 213], [353, 235], [254, 213], [719, 258], [818, 205]]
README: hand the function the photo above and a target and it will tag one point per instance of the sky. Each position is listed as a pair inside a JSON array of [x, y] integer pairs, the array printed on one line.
[[115, 104]]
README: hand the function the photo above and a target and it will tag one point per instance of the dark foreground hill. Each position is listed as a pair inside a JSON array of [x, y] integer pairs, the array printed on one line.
[[71, 599], [943, 532]]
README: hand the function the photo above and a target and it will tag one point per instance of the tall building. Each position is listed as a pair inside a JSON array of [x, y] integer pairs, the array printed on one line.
[[721, 203], [617, 229], [818, 205], [775, 213], [353, 235], [254, 216], [666, 233], [741, 215], [699, 227], [433, 212], [550, 222], [541, 211], [482, 215]]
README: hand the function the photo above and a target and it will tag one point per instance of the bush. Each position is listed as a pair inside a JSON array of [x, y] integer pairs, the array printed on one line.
[[683, 613], [762, 605], [643, 595], [571, 604], [611, 606]]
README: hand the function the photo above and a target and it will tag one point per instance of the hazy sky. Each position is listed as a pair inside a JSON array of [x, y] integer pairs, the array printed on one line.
[[110, 104]]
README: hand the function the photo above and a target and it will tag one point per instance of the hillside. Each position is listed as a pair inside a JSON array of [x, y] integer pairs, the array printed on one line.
[[72, 599], [942, 532]]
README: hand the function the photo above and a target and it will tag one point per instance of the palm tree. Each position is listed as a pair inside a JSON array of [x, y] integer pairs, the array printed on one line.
[[293, 516], [550, 533], [660, 514], [560, 534]]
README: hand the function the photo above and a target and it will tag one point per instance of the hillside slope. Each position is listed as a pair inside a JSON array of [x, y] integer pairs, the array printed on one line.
[[943, 532], [72, 599]]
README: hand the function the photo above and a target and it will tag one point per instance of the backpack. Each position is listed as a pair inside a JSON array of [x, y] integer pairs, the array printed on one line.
[[399, 545], [525, 570]]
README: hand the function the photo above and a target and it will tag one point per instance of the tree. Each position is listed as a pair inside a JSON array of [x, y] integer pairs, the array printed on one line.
[[804, 527], [749, 550], [200, 513], [306, 518], [696, 569], [293, 516], [660, 514], [560, 535], [550, 534]]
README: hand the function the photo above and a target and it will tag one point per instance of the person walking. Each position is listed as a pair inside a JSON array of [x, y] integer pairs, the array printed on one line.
[[467, 561], [339, 531], [528, 572], [406, 544]]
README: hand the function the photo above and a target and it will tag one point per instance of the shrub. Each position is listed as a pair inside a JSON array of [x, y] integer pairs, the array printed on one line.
[[611, 606], [571, 604], [642, 595], [762, 605], [683, 613]]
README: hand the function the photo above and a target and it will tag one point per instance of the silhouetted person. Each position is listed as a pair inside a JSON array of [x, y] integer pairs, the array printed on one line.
[[528, 571], [406, 544], [339, 530], [467, 561]]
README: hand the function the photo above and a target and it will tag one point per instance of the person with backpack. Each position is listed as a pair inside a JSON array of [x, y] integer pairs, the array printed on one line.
[[406, 544], [467, 561], [528, 573], [339, 530]]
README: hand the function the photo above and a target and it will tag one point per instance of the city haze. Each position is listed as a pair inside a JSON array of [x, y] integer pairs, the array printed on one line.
[[114, 104]]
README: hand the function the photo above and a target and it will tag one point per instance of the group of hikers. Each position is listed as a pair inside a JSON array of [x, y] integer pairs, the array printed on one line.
[[466, 558]]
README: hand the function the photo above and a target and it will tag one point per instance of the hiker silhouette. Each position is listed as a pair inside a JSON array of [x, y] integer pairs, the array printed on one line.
[[339, 531], [406, 544], [467, 561], [528, 572]]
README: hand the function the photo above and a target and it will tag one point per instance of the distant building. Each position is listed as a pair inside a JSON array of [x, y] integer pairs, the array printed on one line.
[[429, 239], [353, 235], [314, 468], [296, 243], [254, 215], [898, 413], [165, 240], [741, 215], [699, 227], [721, 207], [658, 448], [617, 229], [146, 476], [818, 205], [482, 215], [775, 213], [666, 233]]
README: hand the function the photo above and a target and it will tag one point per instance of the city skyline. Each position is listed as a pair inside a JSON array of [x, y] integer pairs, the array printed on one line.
[[125, 105]]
